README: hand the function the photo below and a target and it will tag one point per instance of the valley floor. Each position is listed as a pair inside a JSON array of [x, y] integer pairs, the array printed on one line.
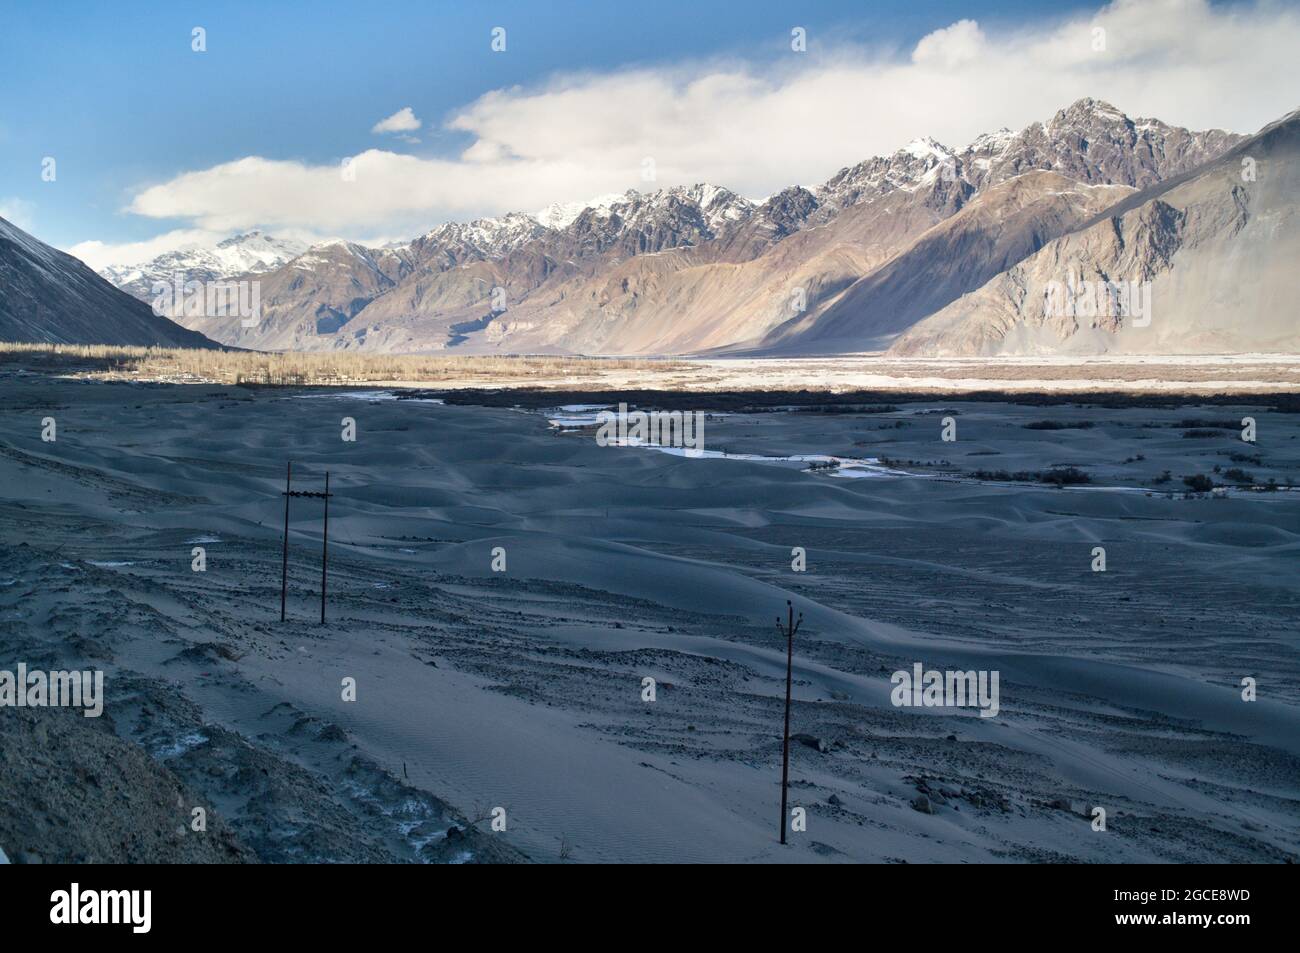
[[1237, 374], [1208, 375], [523, 688]]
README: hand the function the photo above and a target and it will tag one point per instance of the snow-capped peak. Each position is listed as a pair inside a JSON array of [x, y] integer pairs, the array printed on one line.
[[561, 214], [485, 237], [248, 253], [925, 148]]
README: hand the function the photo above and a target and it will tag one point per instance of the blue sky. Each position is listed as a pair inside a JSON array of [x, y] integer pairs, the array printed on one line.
[[115, 94]]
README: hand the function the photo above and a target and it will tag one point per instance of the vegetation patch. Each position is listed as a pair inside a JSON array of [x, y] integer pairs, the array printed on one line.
[[1060, 425]]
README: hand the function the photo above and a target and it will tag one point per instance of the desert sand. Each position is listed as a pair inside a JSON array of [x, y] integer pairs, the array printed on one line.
[[522, 688]]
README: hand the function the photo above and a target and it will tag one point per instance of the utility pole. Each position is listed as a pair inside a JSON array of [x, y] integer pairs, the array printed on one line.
[[284, 570], [325, 539], [791, 627], [325, 548]]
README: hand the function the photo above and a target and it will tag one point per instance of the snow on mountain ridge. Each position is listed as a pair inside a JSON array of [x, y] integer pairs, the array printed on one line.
[[1089, 140], [560, 215], [486, 237], [250, 253], [925, 147], [717, 207]]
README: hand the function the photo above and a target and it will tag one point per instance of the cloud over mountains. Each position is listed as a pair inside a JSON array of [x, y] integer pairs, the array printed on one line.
[[759, 126]]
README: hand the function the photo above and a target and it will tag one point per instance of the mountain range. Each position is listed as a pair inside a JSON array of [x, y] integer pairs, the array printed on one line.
[[930, 251]]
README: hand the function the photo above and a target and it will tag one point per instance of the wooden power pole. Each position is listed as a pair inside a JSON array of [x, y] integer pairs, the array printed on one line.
[[790, 628], [325, 540], [325, 547], [284, 569]]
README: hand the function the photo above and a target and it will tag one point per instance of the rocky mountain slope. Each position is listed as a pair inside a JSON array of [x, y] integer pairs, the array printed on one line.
[[1203, 262], [50, 297], [311, 297], [1092, 141], [996, 229]]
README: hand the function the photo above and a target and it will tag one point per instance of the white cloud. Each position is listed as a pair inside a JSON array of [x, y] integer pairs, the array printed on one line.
[[953, 46], [98, 254], [401, 121], [18, 211], [758, 127]]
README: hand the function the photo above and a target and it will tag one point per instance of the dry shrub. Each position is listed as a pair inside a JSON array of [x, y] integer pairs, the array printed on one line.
[[183, 365]]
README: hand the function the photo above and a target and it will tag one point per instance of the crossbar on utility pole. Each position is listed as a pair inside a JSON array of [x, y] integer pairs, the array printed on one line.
[[791, 627]]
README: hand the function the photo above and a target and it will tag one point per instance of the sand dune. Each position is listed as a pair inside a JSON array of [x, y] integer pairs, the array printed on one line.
[[479, 688]]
